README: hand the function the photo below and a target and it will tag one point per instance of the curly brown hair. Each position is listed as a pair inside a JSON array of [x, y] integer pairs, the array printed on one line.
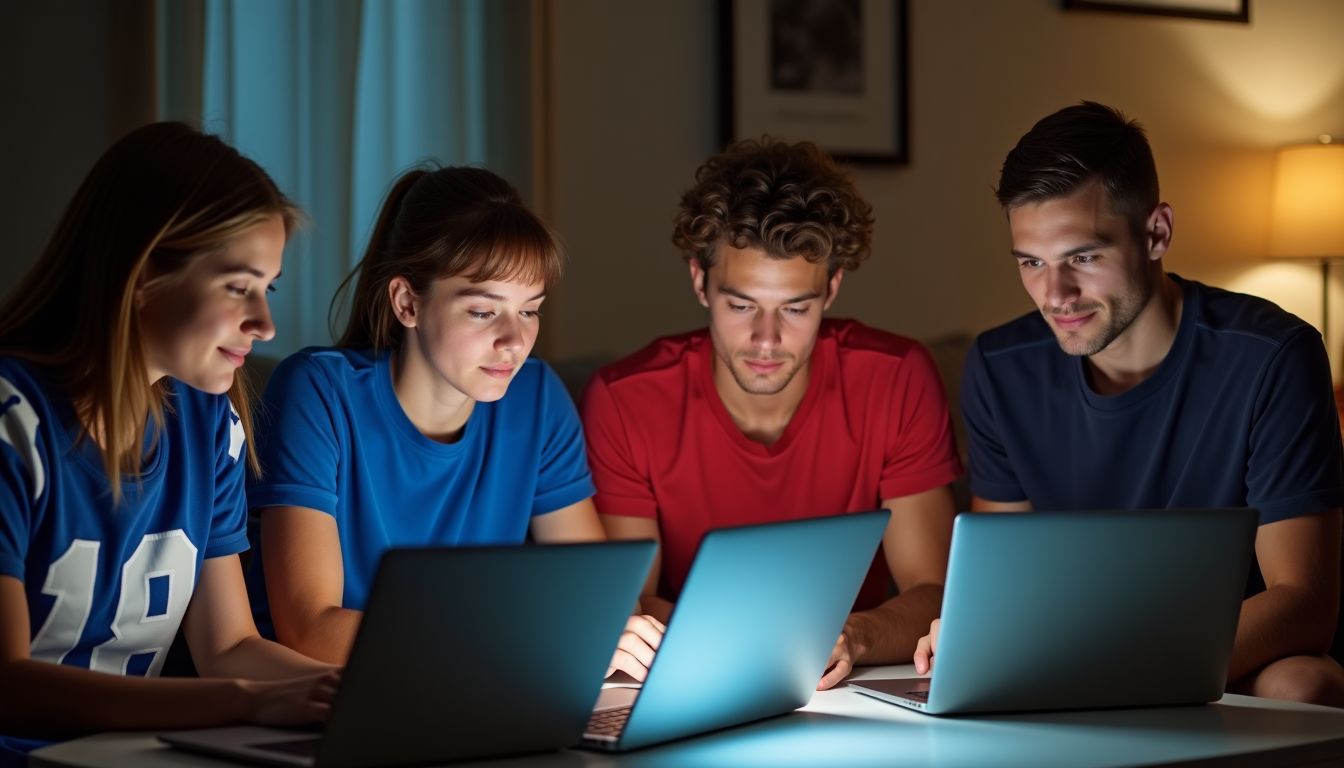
[[788, 199]]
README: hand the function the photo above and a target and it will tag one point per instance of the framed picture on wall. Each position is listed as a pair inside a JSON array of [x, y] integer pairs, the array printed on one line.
[[828, 71], [1215, 10]]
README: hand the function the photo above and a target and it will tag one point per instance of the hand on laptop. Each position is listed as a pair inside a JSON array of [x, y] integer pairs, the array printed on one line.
[[924, 650], [840, 664], [296, 701], [638, 644]]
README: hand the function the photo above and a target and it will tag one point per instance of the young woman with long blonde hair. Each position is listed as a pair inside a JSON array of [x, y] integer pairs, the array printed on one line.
[[123, 449]]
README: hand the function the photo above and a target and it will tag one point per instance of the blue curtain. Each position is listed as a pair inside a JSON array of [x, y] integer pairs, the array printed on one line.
[[337, 97]]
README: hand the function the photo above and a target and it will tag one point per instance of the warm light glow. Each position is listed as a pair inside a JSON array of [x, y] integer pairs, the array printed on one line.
[[1293, 285], [1307, 218], [1282, 69]]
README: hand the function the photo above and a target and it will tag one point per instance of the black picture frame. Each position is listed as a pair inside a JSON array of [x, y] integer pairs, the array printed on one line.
[[858, 111], [1209, 10]]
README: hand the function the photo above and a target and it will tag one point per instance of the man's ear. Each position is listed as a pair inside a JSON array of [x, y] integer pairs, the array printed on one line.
[[833, 288], [1159, 231], [405, 304], [699, 277]]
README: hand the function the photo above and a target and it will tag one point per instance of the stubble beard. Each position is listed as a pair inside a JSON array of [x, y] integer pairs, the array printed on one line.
[[1124, 310]]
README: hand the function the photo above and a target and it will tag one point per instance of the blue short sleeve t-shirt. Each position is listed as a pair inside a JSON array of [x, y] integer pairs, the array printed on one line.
[[333, 437], [1240, 413], [107, 586]]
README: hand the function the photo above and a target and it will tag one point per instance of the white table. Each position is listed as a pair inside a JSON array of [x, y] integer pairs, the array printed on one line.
[[843, 727]]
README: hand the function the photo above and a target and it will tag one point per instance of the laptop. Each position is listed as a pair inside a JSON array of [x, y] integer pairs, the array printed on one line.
[[1084, 610], [464, 653], [751, 633]]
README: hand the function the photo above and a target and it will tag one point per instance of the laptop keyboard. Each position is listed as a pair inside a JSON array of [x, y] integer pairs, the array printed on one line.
[[301, 747], [607, 724]]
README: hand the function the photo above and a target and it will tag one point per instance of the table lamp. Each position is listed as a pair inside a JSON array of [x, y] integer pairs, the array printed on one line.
[[1307, 217]]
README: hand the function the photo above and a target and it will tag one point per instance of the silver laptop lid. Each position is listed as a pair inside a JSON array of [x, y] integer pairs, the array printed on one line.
[[755, 624], [464, 652], [469, 652], [1067, 610]]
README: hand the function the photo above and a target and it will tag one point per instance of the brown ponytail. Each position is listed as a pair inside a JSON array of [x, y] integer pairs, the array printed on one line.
[[372, 310]]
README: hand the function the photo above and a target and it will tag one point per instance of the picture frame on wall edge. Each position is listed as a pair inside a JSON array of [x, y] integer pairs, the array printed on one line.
[[1209, 10], [834, 72]]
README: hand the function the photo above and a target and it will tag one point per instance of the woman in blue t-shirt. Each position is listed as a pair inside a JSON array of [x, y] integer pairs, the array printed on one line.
[[427, 424], [122, 452]]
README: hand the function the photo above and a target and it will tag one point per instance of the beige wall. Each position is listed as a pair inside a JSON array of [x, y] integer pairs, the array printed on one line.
[[634, 109], [70, 82]]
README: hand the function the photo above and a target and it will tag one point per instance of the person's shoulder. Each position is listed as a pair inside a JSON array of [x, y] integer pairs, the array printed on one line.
[[535, 391], [1025, 335], [862, 348], [202, 414], [19, 379], [335, 364], [1238, 316], [853, 336], [534, 376], [334, 358], [11, 364], [26, 403], [662, 358]]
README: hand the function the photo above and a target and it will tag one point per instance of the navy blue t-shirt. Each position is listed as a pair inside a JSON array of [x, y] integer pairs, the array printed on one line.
[[1240, 413]]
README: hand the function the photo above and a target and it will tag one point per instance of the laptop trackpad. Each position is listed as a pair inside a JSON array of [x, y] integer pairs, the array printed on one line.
[[615, 698]]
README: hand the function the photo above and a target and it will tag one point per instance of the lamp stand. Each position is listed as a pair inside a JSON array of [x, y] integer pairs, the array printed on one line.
[[1325, 304]]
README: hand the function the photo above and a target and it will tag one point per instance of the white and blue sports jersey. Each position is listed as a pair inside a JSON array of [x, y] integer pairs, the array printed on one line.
[[333, 437], [107, 586]]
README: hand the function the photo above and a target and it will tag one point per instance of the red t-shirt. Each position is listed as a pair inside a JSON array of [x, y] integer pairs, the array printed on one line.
[[873, 425]]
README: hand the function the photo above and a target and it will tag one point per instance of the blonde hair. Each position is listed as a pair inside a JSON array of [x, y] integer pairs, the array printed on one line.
[[159, 198], [438, 223]]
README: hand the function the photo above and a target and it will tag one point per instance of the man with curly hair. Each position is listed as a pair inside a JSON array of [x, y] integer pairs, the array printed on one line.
[[772, 412], [1131, 387]]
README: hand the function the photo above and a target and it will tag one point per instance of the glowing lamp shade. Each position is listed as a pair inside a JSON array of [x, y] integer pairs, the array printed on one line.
[[1307, 218]]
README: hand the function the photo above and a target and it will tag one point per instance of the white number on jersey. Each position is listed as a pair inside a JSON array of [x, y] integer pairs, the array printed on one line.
[[167, 560], [70, 581]]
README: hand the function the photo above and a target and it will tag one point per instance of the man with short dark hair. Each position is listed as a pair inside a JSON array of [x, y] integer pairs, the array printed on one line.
[[1132, 387], [772, 413]]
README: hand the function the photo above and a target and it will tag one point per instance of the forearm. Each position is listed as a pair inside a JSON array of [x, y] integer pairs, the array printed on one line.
[[888, 633], [256, 658], [326, 635], [1282, 621], [44, 700]]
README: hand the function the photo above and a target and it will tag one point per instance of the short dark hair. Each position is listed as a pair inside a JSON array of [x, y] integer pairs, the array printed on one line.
[[1075, 146], [788, 199]]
